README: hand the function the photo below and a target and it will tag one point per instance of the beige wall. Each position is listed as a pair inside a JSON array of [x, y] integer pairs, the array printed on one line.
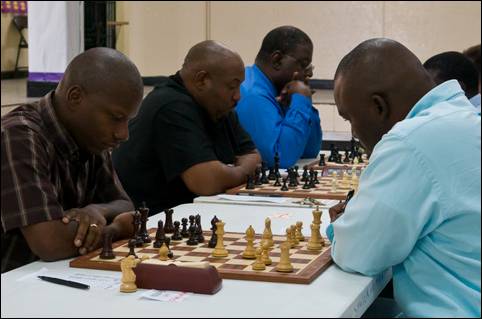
[[10, 38], [160, 33]]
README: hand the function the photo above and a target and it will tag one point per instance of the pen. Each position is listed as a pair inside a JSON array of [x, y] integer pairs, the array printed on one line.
[[348, 197], [67, 283]]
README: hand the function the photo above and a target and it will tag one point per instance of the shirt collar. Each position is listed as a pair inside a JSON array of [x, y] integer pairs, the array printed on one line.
[[264, 80], [61, 138], [443, 92], [475, 100]]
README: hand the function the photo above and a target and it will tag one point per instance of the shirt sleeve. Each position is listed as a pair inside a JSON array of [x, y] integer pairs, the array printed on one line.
[[28, 195], [181, 140], [272, 132], [398, 202], [108, 186], [313, 145]]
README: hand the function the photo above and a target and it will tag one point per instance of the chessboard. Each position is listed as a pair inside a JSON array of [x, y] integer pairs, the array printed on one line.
[[307, 264], [323, 190]]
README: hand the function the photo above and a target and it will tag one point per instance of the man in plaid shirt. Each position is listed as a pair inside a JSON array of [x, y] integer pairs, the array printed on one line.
[[59, 188]]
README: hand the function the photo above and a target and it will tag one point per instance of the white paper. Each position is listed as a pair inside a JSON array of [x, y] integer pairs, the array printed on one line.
[[278, 200], [109, 282], [165, 295]]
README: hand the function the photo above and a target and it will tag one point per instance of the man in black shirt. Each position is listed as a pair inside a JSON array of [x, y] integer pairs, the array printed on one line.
[[186, 139]]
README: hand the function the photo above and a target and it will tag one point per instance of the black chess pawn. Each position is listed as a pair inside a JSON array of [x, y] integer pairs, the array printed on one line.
[[257, 176], [177, 234], [214, 238], [284, 188], [192, 236], [264, 178], [322, 160], [307, 183], [160, 235], [277, 182], [107, 252], [346, 159], [249, 182], [168, 226], [332, 157], [316, 181], [292, 178], [304, 176], [199, 230], [276, 165], [132, 244], [271, 175], [192, 221], [184, 231]]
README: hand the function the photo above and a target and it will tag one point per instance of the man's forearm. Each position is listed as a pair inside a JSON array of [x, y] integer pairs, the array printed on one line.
[[112, 209]]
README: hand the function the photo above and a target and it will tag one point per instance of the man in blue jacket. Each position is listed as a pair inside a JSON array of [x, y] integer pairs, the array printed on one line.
[[275, 106]]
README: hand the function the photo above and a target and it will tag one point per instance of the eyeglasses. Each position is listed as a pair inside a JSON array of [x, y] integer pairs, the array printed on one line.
[[306, 68]]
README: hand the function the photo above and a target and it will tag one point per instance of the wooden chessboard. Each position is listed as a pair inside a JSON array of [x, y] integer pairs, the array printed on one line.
[[337, 166], [307, 264], [321, 191]]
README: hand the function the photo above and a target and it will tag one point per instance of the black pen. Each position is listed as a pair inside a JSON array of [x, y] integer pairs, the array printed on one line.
[[348, 197], [67, 283]]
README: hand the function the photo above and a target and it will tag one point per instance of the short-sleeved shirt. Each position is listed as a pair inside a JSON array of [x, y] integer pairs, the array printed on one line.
[[418, 209], [45, 173], [170, 134]]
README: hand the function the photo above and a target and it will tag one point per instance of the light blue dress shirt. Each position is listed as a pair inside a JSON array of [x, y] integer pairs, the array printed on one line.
[[293, 132], [418, 209]]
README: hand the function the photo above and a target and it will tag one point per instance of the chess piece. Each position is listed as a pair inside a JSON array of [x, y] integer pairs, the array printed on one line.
[[293, 236], [304, 176], [192, 241], [307, 183], [128, 276], [276, 165], [132, 244], [177, 234], [322, 160], [267, 234], [315, 179], [249, 252], [284, 264], [214, 237], [184, 231], [277, 182], [264, 178], [249, 182], [168, 226], [219, 250], [265, 254], [107, 252], [137, 225], [143, 234], [257, 177], [299, 235], [347, 156], [160, 236], [163, 252], [317, 215], [271, 175], [332, 157], [315, 240], [289, 237], [199, 230], [284, 188], [259, 264]]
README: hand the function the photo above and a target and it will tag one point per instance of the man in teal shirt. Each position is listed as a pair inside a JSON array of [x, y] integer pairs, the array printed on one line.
[[418, 206], [275, 106]]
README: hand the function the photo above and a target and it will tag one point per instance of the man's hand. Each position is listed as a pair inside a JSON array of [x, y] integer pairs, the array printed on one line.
[[298, 84], [336, 211], [90, 224]]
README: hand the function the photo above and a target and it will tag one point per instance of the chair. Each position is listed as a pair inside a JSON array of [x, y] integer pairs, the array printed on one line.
[[20, 22]]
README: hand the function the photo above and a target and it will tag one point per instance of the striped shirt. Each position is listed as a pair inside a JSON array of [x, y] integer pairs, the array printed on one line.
[[45, 173]]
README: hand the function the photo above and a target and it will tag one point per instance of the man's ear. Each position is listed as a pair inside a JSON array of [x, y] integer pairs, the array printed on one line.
[[382, 108], [276, 57], [201, 80], [74, 96]]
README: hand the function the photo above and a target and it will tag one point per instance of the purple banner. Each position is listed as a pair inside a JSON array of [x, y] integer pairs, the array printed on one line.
[[19, 7], [45, 77]]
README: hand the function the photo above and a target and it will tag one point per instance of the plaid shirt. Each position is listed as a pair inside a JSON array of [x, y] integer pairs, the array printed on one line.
[[45, 173]]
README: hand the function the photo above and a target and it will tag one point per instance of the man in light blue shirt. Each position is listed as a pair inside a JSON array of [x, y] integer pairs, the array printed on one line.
[[275, 106], [418, 205]]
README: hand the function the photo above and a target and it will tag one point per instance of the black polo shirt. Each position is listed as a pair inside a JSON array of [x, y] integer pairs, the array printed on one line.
[[170, 134]]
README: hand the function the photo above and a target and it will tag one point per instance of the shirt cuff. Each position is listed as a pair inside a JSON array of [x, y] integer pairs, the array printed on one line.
[[329, 232], [301, 104]]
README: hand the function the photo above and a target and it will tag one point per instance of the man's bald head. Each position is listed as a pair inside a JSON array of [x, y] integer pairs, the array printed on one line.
[[100, 91], [210, 56], [103, 71], [212, 74], [376, 85]]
